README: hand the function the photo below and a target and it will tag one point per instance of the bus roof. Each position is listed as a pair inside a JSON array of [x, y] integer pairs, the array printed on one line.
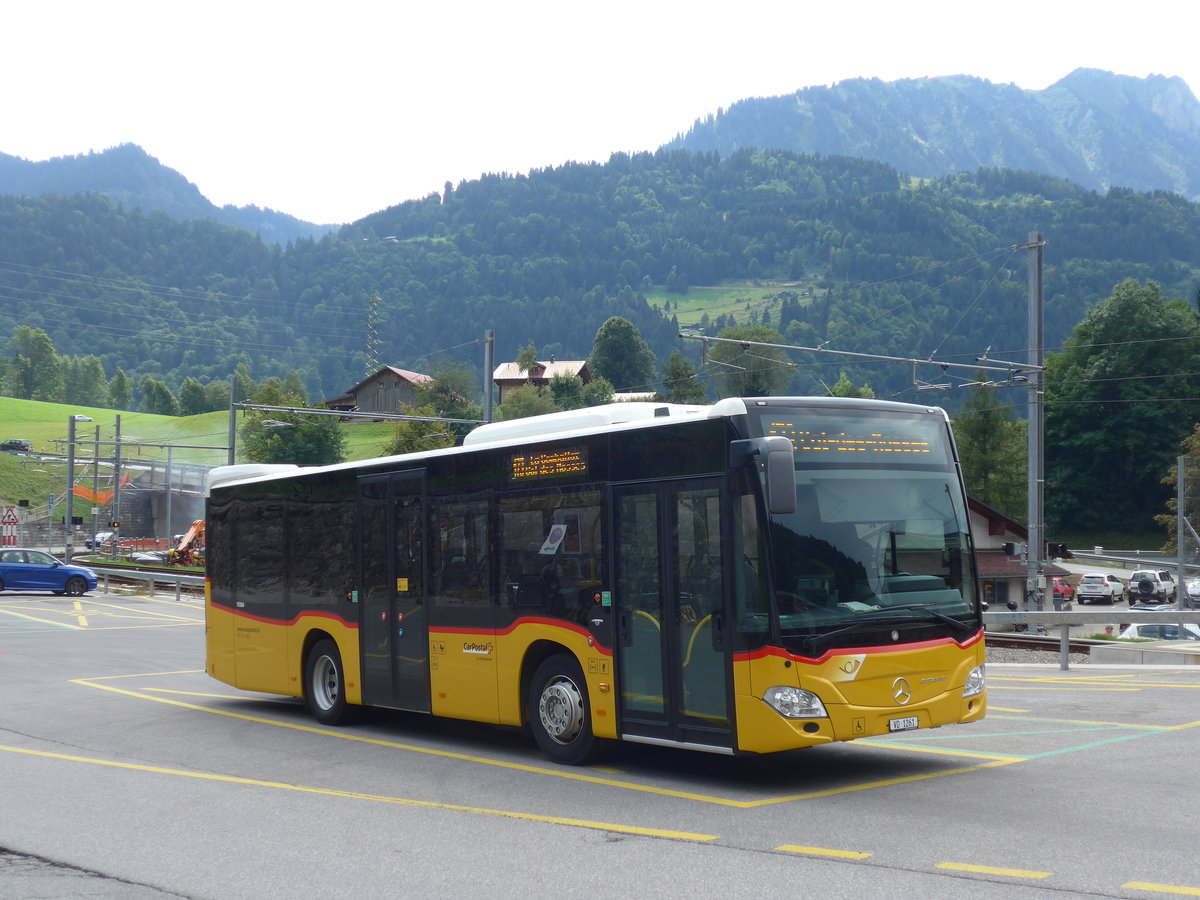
[[567, 423], [590, 418]]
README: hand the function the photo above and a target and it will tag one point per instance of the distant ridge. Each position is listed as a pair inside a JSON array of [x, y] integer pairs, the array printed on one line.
[[1095, 128], [128, 176]]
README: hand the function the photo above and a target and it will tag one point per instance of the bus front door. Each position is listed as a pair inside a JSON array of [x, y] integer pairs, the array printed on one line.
[[673, 660], [394, 631]]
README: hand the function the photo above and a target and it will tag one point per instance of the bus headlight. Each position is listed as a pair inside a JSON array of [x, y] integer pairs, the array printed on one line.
[[795, 703], [976, 682]]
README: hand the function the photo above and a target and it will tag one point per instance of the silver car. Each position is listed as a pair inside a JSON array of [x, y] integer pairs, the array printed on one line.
[[1098, 586]]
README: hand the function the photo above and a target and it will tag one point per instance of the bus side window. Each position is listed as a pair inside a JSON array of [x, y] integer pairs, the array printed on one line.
[[550, 550], [460, 557]]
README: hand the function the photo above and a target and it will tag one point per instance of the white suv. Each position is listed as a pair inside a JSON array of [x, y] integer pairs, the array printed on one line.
[[1097, 586], [1151, 585]]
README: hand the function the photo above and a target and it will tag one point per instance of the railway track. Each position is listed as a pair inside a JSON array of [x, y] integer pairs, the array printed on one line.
[[1017, 641]]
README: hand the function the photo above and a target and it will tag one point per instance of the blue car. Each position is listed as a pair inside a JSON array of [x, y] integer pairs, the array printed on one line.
[[36, 570]]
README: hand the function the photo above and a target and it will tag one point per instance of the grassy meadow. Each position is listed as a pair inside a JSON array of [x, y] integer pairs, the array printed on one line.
[[737, 300], [46, 425]]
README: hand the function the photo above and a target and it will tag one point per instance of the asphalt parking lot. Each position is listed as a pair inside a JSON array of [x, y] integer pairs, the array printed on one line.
[[129, 773]]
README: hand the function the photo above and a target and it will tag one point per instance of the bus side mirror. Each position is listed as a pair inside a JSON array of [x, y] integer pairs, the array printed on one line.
[[776, 461]]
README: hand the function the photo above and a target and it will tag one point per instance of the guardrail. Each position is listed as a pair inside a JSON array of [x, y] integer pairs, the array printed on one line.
[[178, 580], [1064, 619]]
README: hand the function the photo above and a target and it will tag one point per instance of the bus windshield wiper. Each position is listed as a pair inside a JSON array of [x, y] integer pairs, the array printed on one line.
[[964, 627], [877, 617]]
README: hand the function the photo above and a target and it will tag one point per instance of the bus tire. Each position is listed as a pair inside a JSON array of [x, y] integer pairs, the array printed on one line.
[[325, 685], [559, 714]]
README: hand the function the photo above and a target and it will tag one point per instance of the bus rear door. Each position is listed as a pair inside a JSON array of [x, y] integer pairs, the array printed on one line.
[[394, 629]]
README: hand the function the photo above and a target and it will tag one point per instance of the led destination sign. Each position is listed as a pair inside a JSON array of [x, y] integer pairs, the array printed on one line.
[[849, 438], [550, 464]]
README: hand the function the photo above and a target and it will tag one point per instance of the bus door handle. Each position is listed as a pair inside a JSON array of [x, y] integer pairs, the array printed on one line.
[[718, 631], [624, 628]]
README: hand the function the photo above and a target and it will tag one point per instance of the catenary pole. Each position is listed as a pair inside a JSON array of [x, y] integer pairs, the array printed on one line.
[[1035, 572]]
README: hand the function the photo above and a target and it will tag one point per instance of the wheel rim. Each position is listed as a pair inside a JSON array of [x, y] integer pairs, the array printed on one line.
[[560, 709], [325, 682], [75, 587]]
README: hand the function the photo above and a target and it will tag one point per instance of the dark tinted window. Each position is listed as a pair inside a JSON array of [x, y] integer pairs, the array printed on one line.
[[262, 561]]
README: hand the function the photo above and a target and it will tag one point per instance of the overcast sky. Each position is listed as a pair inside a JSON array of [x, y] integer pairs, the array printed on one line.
[[332, 111]]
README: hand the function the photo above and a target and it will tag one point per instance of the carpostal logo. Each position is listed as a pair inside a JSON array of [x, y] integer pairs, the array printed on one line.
[[479, 648], [847, 668]]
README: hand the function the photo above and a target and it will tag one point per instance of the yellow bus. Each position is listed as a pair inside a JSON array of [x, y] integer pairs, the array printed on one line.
[[758, 575]]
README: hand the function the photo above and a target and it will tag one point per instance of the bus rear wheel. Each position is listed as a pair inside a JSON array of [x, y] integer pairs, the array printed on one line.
[[325, 685], [559, 714]]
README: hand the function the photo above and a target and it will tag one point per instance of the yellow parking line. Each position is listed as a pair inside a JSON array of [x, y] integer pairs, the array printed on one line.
[[79, 616], [1114, 689], [1135, 726], [13, 612], [1113, 680], [589, 778], [993, 870], [144, 613], [823, 851], [239, 697], [1162, 888], [377, 798]]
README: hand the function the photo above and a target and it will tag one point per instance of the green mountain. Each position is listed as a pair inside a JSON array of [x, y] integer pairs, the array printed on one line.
[[1095, 128], [827, 249], [132, 179]]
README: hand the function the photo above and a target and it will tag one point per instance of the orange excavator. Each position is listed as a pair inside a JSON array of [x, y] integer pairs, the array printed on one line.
[[187, 552]]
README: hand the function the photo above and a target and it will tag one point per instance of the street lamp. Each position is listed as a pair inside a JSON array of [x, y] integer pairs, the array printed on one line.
[[70, 528]]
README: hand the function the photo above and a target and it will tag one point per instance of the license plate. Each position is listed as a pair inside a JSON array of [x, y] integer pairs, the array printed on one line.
[[906, 724]]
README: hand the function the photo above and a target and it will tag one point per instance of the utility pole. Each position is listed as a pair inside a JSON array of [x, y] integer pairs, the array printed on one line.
[[170, 490], [489, 366], [232, 414], [69, 518], [116, 538], [95, 486], [372, 343], [1035, 571]]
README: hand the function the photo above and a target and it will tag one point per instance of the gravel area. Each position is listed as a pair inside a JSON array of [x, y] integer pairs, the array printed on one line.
[[1022, 657]]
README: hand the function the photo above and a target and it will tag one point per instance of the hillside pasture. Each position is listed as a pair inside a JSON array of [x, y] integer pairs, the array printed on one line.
[[740, 300]]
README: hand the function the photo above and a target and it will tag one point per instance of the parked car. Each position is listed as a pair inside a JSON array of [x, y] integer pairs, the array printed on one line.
[[1146, 607], [1097, 586], [22, 569], [16, 445], [1063, 590], [1151, 585], [1164, 631], [101, 540], [1191, 596]]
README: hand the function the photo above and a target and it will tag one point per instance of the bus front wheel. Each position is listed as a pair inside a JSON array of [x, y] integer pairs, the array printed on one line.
[[325, 685], [558, 711]]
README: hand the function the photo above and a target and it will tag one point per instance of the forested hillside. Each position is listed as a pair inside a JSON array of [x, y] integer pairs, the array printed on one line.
[[132, 179], [849, 254], [1095, 128]]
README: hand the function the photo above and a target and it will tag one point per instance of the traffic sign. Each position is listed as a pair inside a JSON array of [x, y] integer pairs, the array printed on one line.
[[9, 517]]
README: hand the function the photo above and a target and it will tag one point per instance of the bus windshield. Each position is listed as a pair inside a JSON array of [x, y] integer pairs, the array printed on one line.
[[879, 538]]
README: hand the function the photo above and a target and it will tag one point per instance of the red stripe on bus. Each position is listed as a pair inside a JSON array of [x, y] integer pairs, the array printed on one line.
[[242, 614], [524, 620], [764, 652]]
